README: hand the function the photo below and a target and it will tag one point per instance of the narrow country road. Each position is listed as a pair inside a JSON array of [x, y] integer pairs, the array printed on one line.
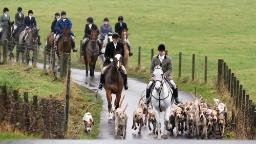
[[132, 96]]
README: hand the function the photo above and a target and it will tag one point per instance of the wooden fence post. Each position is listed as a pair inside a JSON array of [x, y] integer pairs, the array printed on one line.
[[205, 68], [237, 93], [193, 67], [240, 96], [25, 97], [180, 58], [152, 54], [139, 55], [232, 85], [220, 70], [35, 101], [229, 80], [67, 95], [224, 73]]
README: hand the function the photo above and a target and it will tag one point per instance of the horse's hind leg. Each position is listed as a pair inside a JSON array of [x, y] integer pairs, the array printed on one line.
[[117, 100], [109, 99]]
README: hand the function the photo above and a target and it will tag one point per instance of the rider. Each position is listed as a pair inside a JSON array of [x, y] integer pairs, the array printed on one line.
[[89, 27], [112, 49], [60, 25], [5, 20], [105, 29], [30, 22], [165, 62], [56, 19], [119, 27], [19, 19]]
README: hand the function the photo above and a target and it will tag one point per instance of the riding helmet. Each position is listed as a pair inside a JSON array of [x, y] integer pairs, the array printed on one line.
[[63, 13], [57, 14], [90, 19], [5, 9], [115, 35], [19, 9], [30, 12], [106, 19], [120, 18], [161, 47]]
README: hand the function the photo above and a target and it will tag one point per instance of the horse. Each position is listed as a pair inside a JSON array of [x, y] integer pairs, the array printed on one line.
[[31, 44], [161, 98], [64, 47], [91, 53], [113, 83], [124, 39], [49, 53], [6, 36]]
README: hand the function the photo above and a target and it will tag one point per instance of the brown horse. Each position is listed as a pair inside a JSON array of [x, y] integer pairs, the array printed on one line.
[[31, 44], [63, 50], [49, 53], [124, 39], [91, 53], [113, 83]]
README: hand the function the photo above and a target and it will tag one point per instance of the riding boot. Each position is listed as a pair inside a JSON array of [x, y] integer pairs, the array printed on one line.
[[130, 53], [175, 95], [39, 41], [101, 81], [100, 47], [125, 81], [73, 45]]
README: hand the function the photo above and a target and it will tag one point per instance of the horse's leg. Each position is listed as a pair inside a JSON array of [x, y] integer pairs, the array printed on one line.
[[86, 65], [45, 57], [109, 99], [117, 100], [26, 56], [158, 126], [17, 54]]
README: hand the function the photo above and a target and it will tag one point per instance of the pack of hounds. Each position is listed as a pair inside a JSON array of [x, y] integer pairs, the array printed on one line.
[[193, 119]]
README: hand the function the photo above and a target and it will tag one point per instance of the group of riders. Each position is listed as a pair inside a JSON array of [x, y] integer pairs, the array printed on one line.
[[23, 23]]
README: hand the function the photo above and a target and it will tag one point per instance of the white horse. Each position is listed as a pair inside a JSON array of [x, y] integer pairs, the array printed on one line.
[[161, 98]]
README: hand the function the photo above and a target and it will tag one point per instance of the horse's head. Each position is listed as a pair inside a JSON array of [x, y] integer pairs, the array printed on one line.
[[66, 34], [124, 35], [32, 35], [94, 36], [158, 77], [117, 61]]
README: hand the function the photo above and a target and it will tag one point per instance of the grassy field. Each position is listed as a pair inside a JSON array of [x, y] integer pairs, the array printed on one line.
[[218, 29], [35, 83], [32, 81]]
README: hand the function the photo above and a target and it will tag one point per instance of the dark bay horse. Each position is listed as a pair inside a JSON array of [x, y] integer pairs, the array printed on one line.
[[113, 83], [63, 51], [31, 44], [91, 53], [124, 39]]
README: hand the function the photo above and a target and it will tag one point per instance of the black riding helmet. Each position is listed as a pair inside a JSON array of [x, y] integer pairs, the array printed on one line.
[[106, 19], [120, 18], [115, 35], [5, 10], [63, 13], [57, 14], [90, 19], [19, 9], [161, 47], [30, 12]]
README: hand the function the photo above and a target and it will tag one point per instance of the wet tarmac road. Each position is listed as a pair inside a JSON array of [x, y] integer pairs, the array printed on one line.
[[132, 96]]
